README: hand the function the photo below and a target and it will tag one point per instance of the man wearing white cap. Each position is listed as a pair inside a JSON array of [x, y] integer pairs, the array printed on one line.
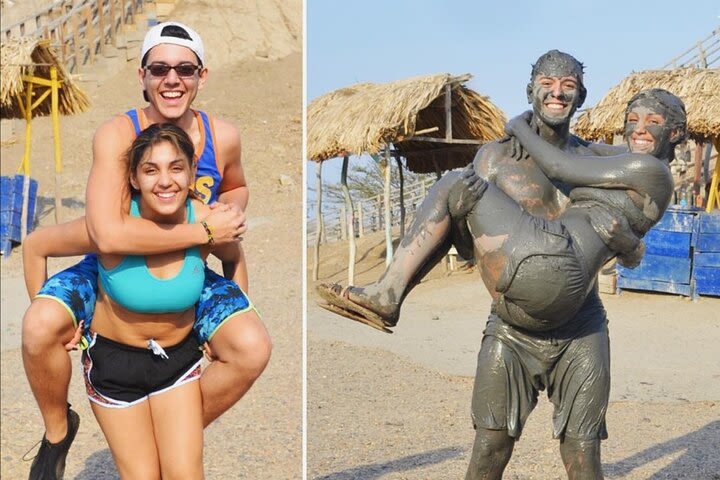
[[172, 71]]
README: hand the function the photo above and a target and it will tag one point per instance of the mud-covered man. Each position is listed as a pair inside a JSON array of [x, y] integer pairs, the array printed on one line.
[[571, 361]]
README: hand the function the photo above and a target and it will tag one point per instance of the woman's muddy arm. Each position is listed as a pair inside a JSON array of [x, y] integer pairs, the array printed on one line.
[[641, 173]]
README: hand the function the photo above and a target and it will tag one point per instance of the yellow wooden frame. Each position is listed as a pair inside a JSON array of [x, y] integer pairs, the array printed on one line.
[[27, 105], [714, 196]]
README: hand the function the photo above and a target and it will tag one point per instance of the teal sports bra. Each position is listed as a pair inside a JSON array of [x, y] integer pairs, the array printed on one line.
[[132, 286]]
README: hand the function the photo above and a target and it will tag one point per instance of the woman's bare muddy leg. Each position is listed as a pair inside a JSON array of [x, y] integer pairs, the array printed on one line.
[[422, 247]]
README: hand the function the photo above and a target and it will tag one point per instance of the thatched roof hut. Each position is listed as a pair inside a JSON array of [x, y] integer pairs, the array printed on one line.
[[365, 117], [34, 56], [698, 88]]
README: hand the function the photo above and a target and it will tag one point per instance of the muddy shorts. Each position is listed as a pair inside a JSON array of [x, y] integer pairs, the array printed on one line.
[[75, 288], [121, 376], [544, 279], [574, 368]]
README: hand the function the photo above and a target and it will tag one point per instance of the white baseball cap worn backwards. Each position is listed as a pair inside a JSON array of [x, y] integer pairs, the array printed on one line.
[[155, 37]]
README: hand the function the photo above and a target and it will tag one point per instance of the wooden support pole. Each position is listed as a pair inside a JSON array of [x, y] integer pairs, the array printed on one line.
[[101, 24], [448, 112], [360, 215], [698, 169], [55, 113], [386, 206], [323, 238], [349, 221], [133, 11], [123, 15], [379, 210], [401, 177], [76, 41], [90, 34], [63, 45], [342, 221], [318, 216], [714, 195], [113, 23]]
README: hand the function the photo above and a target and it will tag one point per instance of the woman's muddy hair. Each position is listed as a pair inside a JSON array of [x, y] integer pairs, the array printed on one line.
[[674, 108], [154, 135]]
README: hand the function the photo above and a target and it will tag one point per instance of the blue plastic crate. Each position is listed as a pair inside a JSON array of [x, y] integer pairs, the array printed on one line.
[[677, 219], [11, 201], [667, 243], [667, 264], [706, 262], [655, 286], [661, 268]]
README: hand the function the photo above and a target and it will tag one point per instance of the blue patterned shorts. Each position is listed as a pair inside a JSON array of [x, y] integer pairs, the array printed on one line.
[[221, 299], [75, 288]]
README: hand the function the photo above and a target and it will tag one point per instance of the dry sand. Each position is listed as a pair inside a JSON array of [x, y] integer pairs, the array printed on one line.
[[398, 406], [257, 85]]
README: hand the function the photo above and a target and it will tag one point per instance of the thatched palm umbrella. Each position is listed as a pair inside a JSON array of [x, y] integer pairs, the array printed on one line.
[[28, 63], [699, 89], [434, 121]]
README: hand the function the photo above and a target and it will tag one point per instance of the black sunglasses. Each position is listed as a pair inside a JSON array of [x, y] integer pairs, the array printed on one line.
[[182, 70]]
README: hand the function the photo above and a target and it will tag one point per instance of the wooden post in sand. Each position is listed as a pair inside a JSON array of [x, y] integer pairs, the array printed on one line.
[[319, 219], [402, 197], [385, 164], [361, 230], [349, 221]]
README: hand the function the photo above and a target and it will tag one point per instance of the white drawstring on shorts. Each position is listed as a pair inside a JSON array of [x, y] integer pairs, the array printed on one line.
[[157, 349]]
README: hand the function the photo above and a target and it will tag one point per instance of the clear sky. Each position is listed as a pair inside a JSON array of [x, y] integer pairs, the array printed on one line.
[[496, 41]]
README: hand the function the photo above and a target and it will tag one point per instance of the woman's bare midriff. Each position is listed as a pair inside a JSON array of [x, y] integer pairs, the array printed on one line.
[[131, 328]]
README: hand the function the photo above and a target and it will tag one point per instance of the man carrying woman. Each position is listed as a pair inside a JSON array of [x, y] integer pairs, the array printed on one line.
[[518, 221]]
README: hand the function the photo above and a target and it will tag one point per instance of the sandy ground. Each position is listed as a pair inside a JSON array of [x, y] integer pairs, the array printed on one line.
[[398, 406], [257, 85]]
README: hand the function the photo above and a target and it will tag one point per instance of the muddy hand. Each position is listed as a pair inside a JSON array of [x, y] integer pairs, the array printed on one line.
[[227, 223], [523, 119], [466, 192], [516, 149]]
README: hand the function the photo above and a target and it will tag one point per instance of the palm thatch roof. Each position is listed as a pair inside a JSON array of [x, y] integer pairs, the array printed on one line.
[[34, 56], [698, 88], [363, 118]]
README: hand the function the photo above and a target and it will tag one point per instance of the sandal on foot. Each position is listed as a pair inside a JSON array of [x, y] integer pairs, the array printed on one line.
[[336, 295], [354, 316]]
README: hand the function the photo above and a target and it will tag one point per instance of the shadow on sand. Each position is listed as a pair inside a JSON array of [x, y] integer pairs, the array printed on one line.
[[698, 457], [376, 470], [45, 206], [99, 466]]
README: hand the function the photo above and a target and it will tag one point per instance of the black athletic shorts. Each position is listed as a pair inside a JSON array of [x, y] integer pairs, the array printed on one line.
[[120, 376]]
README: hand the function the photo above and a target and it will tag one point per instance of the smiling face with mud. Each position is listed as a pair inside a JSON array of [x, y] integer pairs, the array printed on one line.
[[655, 121], [556, 87]]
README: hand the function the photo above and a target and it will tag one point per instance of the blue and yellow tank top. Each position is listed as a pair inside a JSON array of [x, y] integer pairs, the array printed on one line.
[[208, 176], [132, 286]]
